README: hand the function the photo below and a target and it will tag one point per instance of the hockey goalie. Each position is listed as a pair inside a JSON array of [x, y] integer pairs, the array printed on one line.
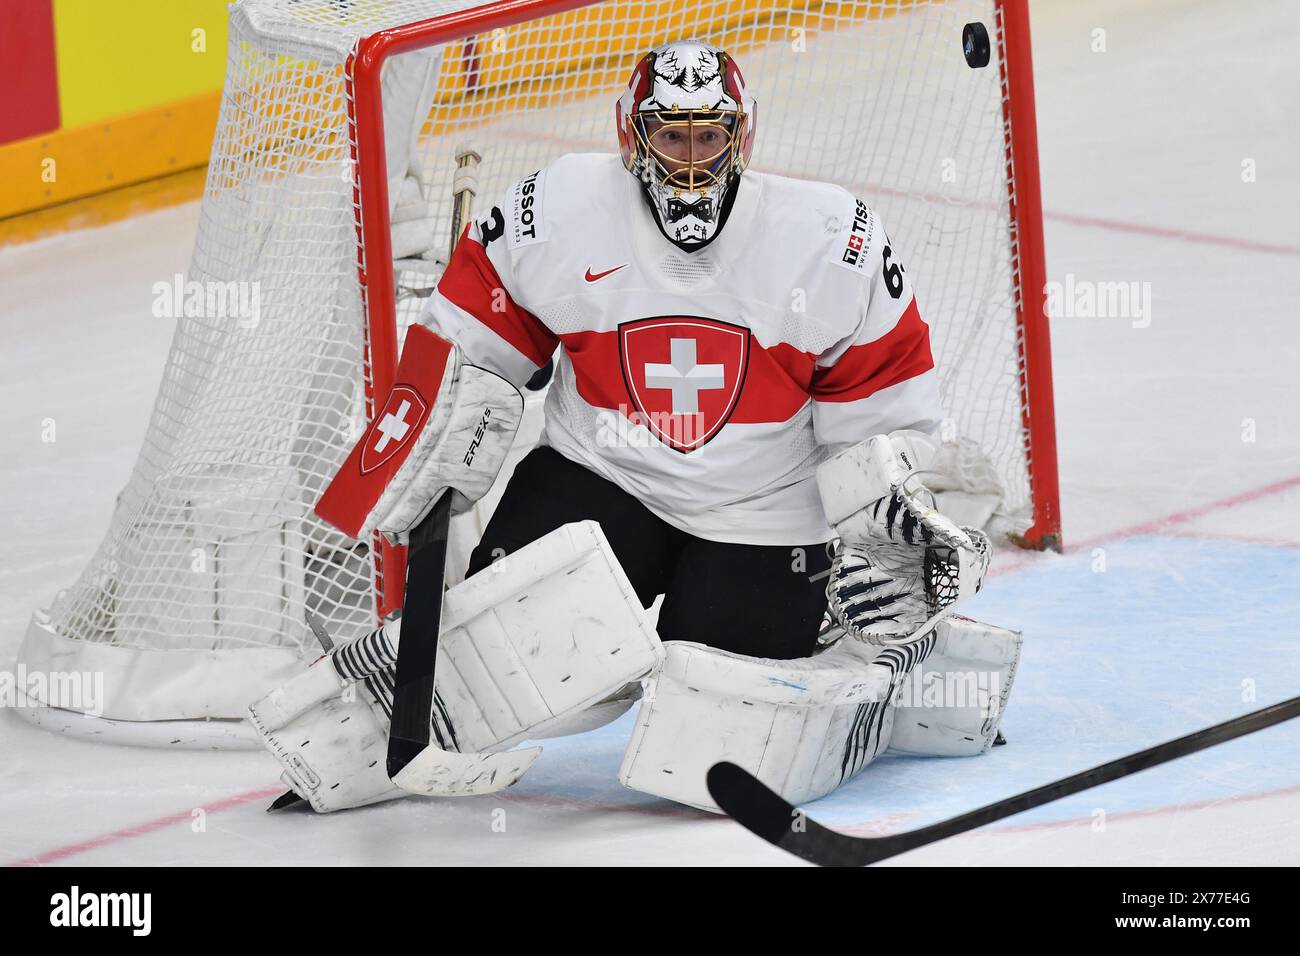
[[741, 429]]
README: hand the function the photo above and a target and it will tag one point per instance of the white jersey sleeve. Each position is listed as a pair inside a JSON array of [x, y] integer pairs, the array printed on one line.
[[481, 303], [881, 376]]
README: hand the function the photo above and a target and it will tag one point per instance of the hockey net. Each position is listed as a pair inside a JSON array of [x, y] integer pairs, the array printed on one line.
[[199, 597]]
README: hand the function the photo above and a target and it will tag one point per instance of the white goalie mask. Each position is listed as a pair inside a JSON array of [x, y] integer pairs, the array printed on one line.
[[686, 131]]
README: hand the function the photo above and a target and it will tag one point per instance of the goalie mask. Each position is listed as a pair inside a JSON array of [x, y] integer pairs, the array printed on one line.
[[686, 131]]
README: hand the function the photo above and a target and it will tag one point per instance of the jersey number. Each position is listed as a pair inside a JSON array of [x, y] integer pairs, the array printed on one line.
[[495, 227], [893, 274]]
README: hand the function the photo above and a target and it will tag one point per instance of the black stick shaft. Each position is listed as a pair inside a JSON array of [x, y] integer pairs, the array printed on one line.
[[1121, 767], [426, 568], [762, 811]]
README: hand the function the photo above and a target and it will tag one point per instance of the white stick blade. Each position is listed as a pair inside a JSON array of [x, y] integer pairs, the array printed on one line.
[[442, 773]]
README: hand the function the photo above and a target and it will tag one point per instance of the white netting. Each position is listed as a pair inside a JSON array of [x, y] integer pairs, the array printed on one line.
[[197, 599]]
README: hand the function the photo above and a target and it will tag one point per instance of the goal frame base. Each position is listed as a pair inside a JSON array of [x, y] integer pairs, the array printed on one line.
[[213, 734]]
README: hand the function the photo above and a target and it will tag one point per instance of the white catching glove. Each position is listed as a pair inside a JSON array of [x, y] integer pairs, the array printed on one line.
[[901, 565]]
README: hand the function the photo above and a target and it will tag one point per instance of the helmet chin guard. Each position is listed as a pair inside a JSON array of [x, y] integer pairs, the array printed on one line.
[[686, 131]]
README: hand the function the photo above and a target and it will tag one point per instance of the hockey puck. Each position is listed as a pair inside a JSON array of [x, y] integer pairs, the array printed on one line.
[[975, 44]]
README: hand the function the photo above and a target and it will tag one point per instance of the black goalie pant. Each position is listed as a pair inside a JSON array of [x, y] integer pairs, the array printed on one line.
[[763, 601]]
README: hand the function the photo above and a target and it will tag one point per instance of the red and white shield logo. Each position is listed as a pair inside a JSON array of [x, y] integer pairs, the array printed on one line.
[[684, 375], [400, 420]]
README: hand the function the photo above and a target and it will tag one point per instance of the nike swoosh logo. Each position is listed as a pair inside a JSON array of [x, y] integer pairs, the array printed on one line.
[[596, 277]]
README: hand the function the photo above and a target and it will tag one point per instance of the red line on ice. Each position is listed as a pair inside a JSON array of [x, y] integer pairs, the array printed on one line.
[[1192, 805], [152, 826], [142, 829], [1209, 239], [1167, 522]]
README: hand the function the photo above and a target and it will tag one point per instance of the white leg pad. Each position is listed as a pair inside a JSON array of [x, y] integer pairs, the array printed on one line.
[[529, 644], [806, 726], [538, 636], [803, 726], [333, 749], [952, 704]]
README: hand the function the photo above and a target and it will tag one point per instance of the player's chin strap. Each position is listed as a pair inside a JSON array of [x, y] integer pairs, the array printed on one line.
[[901, 565]]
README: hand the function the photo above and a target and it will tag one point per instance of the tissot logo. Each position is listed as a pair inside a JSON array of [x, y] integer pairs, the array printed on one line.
[[684, 375], [400, 420], [76, 908], [859, 234]]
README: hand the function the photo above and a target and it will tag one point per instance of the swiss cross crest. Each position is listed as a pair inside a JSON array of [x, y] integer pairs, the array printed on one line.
[[684, 375], [400, 420]]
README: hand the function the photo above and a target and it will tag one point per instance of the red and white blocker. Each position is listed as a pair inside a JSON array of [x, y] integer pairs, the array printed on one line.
[[445, 424]]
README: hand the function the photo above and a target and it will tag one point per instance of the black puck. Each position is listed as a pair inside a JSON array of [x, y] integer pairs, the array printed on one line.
[[975, 44]]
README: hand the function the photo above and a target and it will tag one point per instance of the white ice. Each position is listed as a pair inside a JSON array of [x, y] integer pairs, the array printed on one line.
[[1193, 619]]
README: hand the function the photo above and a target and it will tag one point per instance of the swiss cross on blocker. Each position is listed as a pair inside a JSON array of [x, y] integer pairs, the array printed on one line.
[[404, 410], [684, 375], [351, 496]]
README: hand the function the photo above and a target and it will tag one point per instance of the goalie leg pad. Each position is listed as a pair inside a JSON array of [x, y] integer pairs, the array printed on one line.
[[530, 643], [803, 727], [539, 635], [952, 704], [330, 735]]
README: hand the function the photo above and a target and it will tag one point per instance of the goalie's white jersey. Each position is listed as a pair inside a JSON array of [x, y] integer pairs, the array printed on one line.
[[709, 384]]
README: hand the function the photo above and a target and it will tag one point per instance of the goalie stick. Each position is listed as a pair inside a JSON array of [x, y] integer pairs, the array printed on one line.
[[417, 655], [414, 763], [760, 810]]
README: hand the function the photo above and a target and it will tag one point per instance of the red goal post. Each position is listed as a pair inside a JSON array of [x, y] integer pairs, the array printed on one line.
[[374, 241], [1025, 196]]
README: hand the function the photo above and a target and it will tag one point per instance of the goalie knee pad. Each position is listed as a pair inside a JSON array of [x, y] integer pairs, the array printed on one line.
[[539, 635]]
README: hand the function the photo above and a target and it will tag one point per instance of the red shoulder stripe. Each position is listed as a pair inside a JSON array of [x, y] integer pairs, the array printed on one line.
[[901, 353], [472, 283]]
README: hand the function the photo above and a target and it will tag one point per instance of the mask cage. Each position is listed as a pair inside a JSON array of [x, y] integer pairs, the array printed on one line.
[[694, 174]]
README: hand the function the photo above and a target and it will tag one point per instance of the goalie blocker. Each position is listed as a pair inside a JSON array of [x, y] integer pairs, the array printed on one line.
[[446, 425]]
